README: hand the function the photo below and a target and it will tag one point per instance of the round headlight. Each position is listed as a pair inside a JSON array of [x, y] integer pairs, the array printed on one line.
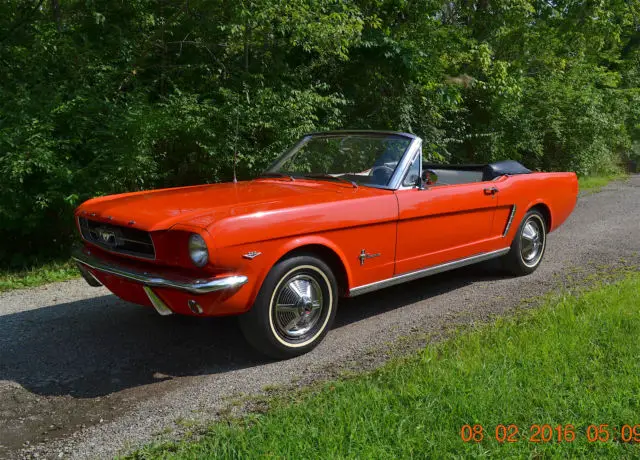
[[198, 250]]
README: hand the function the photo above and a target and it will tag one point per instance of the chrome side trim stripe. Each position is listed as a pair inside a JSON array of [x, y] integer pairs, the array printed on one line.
[[403, 278], [194, 286], [157, 302], [510, 221]]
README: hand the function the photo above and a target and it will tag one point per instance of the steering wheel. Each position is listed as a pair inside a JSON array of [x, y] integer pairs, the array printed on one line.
[[381, 174], [376, 168]]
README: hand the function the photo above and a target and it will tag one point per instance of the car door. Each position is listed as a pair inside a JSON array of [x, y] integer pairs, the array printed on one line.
[[444, 223]]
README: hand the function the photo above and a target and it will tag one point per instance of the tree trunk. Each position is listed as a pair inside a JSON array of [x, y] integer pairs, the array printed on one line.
[[55, 8]]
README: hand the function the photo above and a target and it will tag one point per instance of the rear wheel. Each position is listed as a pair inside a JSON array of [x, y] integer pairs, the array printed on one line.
[[528, 246], [294, 309]]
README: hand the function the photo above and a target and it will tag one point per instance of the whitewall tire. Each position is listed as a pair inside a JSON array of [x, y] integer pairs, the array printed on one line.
[[294, 309]]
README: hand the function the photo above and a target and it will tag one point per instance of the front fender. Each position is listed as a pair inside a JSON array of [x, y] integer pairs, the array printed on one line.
[[270, 252]]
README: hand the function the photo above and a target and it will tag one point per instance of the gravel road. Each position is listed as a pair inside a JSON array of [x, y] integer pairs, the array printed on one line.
[[83, 374]]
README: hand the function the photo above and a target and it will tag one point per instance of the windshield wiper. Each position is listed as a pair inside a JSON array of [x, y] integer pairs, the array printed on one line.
[[330, 177], [276, 174]]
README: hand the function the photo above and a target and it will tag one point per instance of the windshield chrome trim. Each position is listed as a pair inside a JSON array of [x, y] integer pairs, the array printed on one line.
[[360, 131], [405, 163]]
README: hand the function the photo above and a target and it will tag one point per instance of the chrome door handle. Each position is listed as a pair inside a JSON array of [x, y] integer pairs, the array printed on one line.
[[491, 191]]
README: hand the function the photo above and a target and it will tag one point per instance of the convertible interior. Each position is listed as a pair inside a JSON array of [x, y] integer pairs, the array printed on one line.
[[440, 174]]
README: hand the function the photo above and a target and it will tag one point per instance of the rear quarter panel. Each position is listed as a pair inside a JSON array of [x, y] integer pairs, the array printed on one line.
[[557, 191]]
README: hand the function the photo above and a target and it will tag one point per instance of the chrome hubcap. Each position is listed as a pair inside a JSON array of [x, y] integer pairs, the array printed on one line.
[[298, 306], [532, 240]]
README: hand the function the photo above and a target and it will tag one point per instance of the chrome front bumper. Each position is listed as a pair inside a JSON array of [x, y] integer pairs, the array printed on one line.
[[84, 258]]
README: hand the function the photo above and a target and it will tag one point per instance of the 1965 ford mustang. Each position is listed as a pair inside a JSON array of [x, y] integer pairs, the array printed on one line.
[[340, 214]]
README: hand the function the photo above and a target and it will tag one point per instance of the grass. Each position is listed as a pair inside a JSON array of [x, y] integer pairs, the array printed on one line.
[[37, 275], [572, 361], [595, 183]]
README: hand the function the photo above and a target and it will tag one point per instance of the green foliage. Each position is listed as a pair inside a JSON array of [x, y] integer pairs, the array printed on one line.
[[37, 275], [98, 97], [571, 362], [595, 183]]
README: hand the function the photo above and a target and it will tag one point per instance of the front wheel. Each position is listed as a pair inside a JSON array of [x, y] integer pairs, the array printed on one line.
[[294, 309], [527, 248]]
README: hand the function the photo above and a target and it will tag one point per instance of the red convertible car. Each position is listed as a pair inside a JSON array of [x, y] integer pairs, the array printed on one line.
[[340, 214]]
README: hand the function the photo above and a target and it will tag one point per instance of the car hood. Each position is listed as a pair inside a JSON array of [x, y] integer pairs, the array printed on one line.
[[201, 205]]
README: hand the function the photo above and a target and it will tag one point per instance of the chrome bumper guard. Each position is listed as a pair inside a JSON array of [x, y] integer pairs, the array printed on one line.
[[194, 286]]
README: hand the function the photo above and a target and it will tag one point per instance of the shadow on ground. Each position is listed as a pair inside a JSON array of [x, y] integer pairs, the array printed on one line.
[[100, 346]]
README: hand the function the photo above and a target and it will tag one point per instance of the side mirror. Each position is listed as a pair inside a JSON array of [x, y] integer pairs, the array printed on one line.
[[429, 177]]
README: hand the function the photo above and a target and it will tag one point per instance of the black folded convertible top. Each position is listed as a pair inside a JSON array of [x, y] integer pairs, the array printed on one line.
[[489, 171], [503, 168]]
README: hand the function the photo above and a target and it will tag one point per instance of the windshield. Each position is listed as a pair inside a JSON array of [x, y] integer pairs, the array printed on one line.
[[366, 159]]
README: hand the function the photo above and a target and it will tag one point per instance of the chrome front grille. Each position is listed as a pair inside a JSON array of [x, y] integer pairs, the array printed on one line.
[[116, 238]]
